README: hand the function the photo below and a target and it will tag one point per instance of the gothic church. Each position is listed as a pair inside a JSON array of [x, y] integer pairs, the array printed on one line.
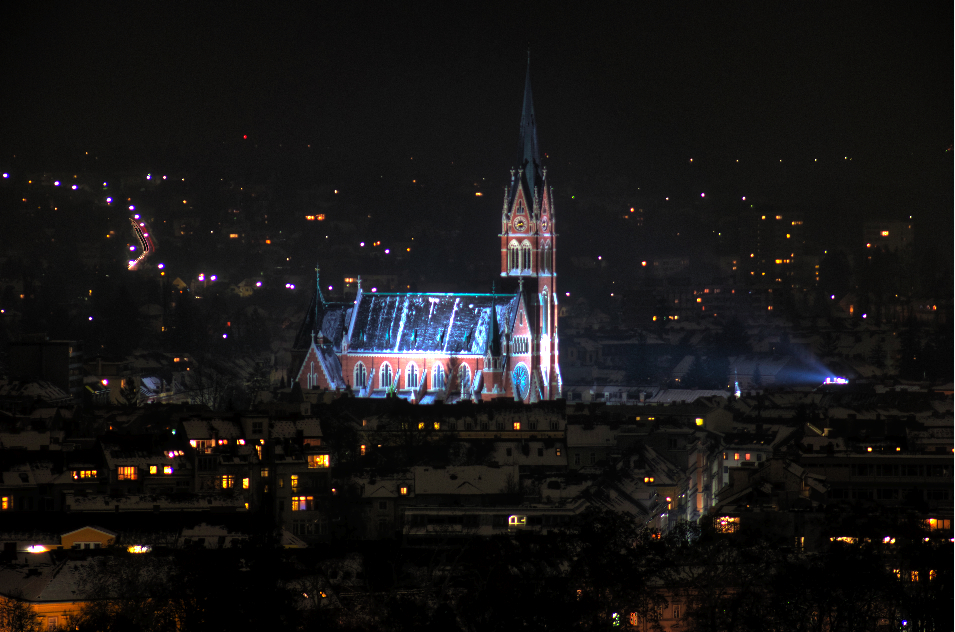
[[453, 347]]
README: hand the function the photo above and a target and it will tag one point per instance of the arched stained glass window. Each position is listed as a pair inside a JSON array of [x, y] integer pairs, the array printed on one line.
[[437, 376], [386, 375], [411, 375], [361, 375]]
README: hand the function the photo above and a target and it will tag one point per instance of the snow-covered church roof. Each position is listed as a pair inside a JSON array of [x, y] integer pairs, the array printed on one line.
[[447, 324]]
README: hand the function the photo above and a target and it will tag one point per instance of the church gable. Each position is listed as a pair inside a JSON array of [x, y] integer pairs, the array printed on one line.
[[321, 369]]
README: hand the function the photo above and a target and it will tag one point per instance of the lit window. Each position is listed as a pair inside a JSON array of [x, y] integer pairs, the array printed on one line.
[[647, 479], [154, 469], [318, 460], [437, 425], [699, 421], [78, 474], [233, 236], [747, 457], [517, 521], [727, 524], [420, 425], [517, 425], [885, 233], [127, 473], [245, 483], [227, 481], [167, 469], [736, 456], [5, 503], [303, 503], [404, 491], [634, 619], [264, 472], [558, 451], [363, 450], [294, 481]]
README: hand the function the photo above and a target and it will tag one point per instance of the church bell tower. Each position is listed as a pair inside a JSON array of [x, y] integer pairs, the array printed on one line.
[[528, 248]]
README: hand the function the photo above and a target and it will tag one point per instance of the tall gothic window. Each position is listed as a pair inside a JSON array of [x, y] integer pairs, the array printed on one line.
[[545, 312], [386, 375], [513, 257], [526, 257], [411, 375], [437, 376], [361, 376], [464, 378], [546, 254]]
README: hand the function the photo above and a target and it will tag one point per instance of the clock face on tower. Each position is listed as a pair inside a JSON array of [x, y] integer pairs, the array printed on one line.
[[544, 224], [520, 224]]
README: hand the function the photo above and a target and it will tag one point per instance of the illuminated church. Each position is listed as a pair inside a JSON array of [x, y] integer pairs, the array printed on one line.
[[453, 347]]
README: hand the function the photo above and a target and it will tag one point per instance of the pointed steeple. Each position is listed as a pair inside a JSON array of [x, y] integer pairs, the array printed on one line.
[[529, 157]]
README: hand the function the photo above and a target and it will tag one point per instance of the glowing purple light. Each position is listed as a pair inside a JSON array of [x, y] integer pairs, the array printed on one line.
[[702, 194], [374, 289], [57, 183], [137, 217], [225, 335], [387, 252], [329, 288], [362, 244], [258, 284], [836, 380], [132, 208], [74, 187], [6, 175], [161, 266], [109, 200], [132, 247], [213, 277], [202, 277]]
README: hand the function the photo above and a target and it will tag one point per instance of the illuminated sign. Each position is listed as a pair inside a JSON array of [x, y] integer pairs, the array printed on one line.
[[836, 380]]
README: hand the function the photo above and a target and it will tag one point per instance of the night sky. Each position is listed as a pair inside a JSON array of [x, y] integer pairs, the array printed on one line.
[[621, 97]]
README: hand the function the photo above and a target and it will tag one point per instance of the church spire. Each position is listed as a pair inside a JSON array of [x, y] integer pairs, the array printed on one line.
[[529, 154]]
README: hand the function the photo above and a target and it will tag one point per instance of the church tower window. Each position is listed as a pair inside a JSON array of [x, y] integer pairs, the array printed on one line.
[[411, 375], [385, 376], [545, 312], [526, 257], [513, 257], [361, 375]]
